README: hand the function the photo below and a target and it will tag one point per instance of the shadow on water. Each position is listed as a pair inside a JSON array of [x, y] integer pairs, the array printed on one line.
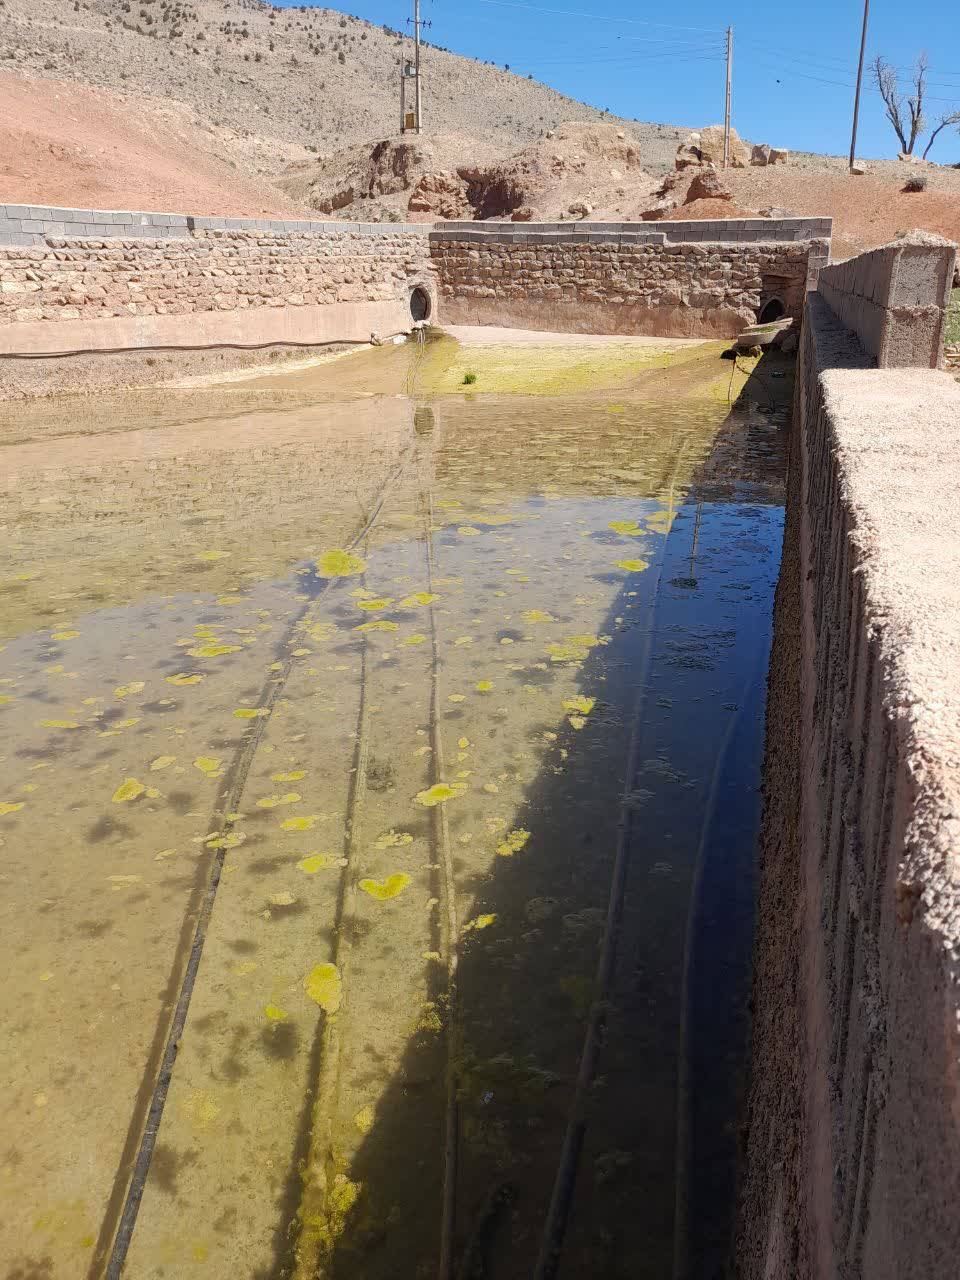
[[688, 644]]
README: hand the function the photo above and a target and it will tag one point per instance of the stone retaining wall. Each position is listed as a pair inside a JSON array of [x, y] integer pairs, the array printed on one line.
[[659, 279], [243, 284], [852, 1143], [75, 280]]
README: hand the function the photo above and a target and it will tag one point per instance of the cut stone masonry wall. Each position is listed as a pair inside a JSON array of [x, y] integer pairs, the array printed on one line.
[[622, 278], [85, 279]]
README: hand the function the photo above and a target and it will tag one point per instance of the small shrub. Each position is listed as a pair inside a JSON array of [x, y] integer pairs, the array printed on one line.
[[916, 182], [469, 379]]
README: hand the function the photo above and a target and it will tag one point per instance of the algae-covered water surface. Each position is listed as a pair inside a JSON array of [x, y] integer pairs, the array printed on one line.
[[378, 814]]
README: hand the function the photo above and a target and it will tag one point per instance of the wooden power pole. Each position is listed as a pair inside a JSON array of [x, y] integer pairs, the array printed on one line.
[[856, 100], [726, 115], [416, 65]]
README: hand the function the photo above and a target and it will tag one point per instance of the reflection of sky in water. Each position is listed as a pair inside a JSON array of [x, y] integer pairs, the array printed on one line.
[[182, 690]]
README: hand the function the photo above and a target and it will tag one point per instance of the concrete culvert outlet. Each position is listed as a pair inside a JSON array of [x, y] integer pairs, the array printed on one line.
[[420, 304], [771, 309]]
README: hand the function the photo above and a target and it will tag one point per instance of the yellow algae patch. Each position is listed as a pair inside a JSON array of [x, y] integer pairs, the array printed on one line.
[[126, 724], [201, 1108], [418, 597], [207, 765], [392, 887], [324, 987], [184, 678], [272, 802], [483, 686], [229, 600], [440, 793], [364, 1119], [214, 649], [64, 635], [59, 724], [416, 638], [463, 743], [212, 555], [480, 922], [251, 713], [581, 704], [468, 531], [574, 648], [633, 566], [661, 521], [11, 806], [537, 615], [455, 697], [374, 606], [513, 843], [273, 1013], [129, 789], [339, 564], [381, 624], [230, 841], [6, 698], [123, 882], [306, 823], [123, 690], [393, 839], [293, 775], [162, 762], [314, 862], [626, 528]]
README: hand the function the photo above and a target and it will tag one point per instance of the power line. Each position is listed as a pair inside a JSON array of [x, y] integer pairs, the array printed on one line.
[[594, 17]]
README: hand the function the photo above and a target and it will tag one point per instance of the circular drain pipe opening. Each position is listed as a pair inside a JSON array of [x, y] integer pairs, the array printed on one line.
[[772, 309], [420, 305]]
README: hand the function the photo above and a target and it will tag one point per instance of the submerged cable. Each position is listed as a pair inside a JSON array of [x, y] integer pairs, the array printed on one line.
[[123, 1207], [441, 828], [551, 1241], [319, 1171]]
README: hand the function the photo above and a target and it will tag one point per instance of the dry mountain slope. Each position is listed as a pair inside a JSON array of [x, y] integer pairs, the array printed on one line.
[[64, 144], [281, 80]]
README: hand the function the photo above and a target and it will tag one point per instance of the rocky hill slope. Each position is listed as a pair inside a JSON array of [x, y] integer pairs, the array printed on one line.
[[283, 83]]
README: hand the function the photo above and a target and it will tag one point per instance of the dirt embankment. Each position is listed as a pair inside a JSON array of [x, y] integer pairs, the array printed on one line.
[[62, 144]]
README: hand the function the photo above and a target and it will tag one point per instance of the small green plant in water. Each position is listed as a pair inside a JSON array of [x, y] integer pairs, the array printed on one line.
[[469, 379]]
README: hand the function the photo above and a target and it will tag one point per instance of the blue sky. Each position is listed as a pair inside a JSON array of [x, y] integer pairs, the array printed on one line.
[[790, 88]]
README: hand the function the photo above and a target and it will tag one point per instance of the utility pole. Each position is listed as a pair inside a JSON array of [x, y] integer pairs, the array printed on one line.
[[416, 64], [726, 116], [856, 100]]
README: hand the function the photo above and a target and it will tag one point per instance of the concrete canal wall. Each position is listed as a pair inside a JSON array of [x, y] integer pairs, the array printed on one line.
[[852, 1141], [85, 280]]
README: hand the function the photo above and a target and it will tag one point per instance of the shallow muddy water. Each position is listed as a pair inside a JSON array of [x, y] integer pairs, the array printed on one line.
[[333, 704]]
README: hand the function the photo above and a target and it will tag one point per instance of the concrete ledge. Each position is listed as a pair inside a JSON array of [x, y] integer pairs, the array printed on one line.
[[853, 1140], [720, 230], [261, 326], [895, 299]]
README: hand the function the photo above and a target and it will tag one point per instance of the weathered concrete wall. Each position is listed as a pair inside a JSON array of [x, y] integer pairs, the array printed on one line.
[[682, 279], [894, 299], [76, 280], [852, 1141], [204, 281]]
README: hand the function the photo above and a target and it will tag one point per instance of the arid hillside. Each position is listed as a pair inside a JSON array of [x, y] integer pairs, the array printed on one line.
[[283, 82]]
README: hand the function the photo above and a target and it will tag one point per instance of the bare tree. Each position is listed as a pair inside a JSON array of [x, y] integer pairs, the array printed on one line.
[[946, 120], [905, 114]]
